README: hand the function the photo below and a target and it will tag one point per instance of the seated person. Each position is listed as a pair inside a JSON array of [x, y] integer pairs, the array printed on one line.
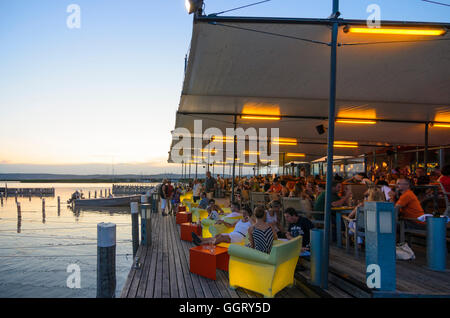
[[235, 210], [407, 202], [261, 235], [276, 187], [336, 200], [298, 225], [214, 210], [203, 202], [240, 231], [373, 194], [273, 215]]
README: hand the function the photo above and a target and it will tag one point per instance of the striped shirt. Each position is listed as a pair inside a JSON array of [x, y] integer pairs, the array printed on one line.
[[263, 240]]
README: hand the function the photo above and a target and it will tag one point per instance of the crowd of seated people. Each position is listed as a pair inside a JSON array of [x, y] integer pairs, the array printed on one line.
[[398, 186]]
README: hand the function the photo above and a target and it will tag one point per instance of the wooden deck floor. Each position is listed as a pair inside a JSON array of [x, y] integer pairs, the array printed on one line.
[[164, 270], [347, 275]]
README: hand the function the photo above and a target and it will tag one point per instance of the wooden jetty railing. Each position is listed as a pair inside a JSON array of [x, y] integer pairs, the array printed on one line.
[[131, 189], [25, 192]]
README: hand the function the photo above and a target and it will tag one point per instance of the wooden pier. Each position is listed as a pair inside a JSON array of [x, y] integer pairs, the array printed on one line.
[[25, 192], [164, 273], [164, 270], [130, 189]]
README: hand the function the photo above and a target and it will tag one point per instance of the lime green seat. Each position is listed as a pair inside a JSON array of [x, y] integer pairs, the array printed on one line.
[[198, 214], [210, 229], [263, 273]]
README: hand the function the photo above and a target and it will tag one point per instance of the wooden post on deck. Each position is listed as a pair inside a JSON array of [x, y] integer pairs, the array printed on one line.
[[106, 260], [101, 193], [89, 194], [43, 210], [135, 226], [1, 198], [146, 229], [95, 194]]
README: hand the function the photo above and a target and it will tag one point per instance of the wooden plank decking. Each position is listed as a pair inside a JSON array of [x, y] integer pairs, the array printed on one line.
[[347, 276], [164, 270]]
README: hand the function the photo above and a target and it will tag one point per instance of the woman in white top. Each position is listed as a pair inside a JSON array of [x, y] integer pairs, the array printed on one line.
[[240, 231]]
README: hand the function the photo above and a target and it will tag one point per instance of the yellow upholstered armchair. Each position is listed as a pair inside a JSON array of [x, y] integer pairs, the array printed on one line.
[[263, 273]]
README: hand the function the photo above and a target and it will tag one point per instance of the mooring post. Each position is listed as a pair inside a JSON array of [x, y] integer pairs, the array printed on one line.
[[106, 260], [1, 198], [19, 211], [135, 226], [59, 205], [146, 235], [43, 205]]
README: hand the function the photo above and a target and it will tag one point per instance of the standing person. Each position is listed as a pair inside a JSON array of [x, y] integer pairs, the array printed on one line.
[[176, 199], [210, 185], [261, 235], [163, 196], [197, 190], [169, 195]]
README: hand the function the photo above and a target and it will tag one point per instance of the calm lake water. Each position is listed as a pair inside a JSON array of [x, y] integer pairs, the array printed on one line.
[[36, 252]]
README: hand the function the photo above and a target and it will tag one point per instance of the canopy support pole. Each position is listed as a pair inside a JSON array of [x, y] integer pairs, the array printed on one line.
[[234, 159], [425, 153], [331, 119]]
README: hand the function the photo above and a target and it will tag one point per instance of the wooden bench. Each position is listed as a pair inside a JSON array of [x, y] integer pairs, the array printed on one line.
[[404, 230]]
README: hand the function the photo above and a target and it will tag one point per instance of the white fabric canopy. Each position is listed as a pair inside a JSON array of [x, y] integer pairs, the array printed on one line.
[[239, 64]]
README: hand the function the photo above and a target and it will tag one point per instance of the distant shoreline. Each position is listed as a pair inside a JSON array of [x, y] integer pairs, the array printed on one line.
[[82, 181]]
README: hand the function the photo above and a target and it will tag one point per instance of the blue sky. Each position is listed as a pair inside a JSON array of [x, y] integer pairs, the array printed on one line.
[[78, 100]]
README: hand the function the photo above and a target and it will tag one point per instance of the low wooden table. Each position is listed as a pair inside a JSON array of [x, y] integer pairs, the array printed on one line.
[[204, 262], [183, 217], [187, 228]]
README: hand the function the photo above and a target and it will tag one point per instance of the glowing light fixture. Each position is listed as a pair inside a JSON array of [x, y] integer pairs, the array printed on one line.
[[247, 152], [294, 154], [260, 117], [212, 151], [356, 121], [285, 141], [345, 144], [193, 6], [442, 125], [222, 139], [395, 31]]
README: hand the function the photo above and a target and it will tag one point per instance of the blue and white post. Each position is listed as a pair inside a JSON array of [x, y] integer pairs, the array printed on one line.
[[146, 234], [380, 245], [316, 236], [436, 243]]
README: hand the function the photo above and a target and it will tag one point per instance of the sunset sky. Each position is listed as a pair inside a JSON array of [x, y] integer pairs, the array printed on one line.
[[84, 100]]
